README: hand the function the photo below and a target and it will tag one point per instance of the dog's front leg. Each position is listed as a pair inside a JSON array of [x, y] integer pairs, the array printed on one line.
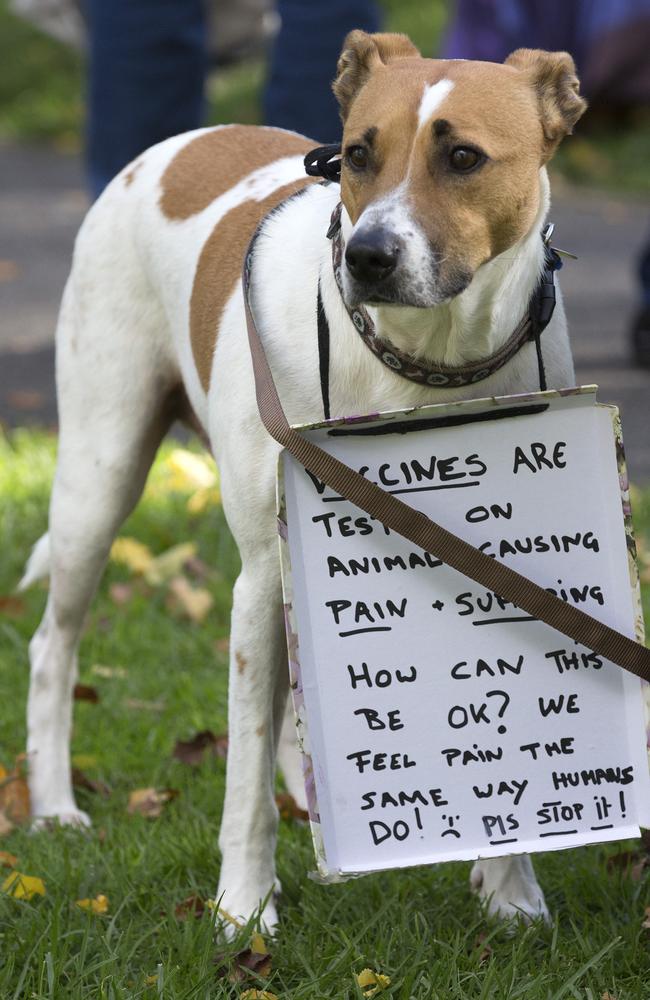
[[256, 700], [509, 888]]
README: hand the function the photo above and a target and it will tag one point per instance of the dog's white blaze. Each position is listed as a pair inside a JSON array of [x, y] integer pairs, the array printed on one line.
[[432, 98]]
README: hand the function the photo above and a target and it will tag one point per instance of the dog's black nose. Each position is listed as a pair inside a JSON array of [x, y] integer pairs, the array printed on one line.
[[372, 256]]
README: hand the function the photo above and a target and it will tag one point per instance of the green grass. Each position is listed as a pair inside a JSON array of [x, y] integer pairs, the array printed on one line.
[[41, 98], [421, 927]]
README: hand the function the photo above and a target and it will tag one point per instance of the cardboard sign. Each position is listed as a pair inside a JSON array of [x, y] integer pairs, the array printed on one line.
[[437, 721]]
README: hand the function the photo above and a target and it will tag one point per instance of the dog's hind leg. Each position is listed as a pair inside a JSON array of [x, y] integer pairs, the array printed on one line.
[[111, 378]]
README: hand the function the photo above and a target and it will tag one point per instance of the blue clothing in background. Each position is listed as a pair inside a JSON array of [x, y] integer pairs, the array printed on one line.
[[303, 63], [147, 65], [609, 40]]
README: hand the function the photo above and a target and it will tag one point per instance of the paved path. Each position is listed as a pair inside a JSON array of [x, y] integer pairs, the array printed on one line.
[[42, 202]]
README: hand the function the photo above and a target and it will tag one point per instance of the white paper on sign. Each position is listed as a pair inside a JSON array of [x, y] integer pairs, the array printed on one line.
[[438, 722]]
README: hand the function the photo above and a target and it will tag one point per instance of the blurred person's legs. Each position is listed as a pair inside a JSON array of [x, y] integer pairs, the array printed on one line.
[[146, 78], [298, 93]]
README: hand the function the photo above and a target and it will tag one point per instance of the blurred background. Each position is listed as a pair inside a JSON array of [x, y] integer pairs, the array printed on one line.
[[84, 87]]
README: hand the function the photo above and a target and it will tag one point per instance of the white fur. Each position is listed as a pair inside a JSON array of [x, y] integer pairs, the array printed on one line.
[[122, 342], [433, 96]]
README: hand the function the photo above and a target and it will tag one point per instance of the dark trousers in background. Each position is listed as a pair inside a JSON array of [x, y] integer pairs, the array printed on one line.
[[303, 63], [146, 78], [148, 65]]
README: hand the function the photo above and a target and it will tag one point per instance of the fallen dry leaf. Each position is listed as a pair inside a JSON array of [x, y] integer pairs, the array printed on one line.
[[9, 269], [169, 564], [608, 996], [81, 780], [190, 471], [375, 980], [23, 886], [289, 808], [151, 980], [8, 860], [202, 499], [237, 968], [14, 799], [121, 593], [149, 802], [100, 670], [192, 602], [199, 570], [131, 553], [486, 949], [11, 607], [141, 705], [258, 944], [194, 750], [629, 863], [97, 905], [6, 826], [86, 692], [83, 760], [26, 399], [257, 995], [192, 906]]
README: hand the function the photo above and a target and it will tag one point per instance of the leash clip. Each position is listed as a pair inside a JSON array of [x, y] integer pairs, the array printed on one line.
[[547, 236]]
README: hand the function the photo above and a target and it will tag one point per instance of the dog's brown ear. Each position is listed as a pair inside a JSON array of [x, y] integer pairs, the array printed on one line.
[[361, 54], [553, 78]]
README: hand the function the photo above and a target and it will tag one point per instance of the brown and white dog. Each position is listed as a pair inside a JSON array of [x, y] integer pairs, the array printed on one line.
[[444, 193]]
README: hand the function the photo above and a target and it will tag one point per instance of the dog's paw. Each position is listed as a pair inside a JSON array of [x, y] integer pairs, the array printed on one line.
[[234, 912], [62, 817], [509, 889]]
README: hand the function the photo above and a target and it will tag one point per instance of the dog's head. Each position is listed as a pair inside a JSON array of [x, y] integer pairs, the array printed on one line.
[[441, 162]]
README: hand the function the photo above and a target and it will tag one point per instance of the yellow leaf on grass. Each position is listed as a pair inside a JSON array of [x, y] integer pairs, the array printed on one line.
[[97, 905], [212, 906], [169, 563], [23, 886], [194, 602], [258, 995], [201, 499], [375, 980], [190, 471], [6, 826], [3, 773], [84, 760], [8, 860], [132, 553], [101, 670], [258, 945], [149, 802], [151, 980]]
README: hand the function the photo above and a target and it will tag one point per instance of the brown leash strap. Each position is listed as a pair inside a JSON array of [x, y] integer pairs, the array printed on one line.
[[419, 529]]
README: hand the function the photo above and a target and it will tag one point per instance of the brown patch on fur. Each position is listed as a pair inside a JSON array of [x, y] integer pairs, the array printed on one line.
[[553, 76], [261, 730], [219, 269], [211, 164], [129, 176], [241, 661], [361, 54]]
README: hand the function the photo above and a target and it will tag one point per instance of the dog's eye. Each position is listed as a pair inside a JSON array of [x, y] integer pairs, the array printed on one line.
[[462, 159], [357, 157]]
